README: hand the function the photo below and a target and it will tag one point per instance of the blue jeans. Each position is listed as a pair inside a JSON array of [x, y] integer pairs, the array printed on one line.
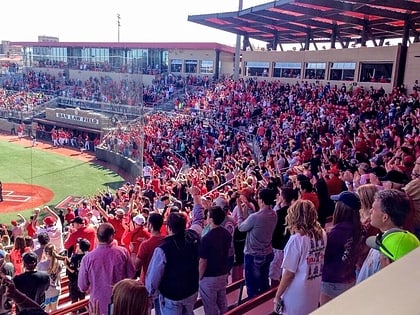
[[213, 294], [156, 306], [256, 273], [181, 307]]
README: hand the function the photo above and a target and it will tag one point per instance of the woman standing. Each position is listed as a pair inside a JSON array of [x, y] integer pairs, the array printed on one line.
[[300, 284], [366, 194], [53, 265], [343, 247], [17, 252]]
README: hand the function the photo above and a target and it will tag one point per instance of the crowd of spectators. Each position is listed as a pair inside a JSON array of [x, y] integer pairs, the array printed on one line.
[[23, 91], [330, 165]]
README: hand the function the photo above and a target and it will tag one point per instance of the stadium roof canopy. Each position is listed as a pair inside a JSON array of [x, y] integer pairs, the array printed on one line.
[[321, 21]]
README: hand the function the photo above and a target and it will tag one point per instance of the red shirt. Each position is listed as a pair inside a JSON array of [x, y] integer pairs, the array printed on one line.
[[132, 240], [145, 253], [119, 229], [69, 216], [30, 229], [87, 232]]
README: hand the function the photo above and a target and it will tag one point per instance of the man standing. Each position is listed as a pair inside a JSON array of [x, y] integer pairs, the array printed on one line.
[[107, 264], [213, 264], [146, 249], [32, 283], [79, 230], [390, 210], [258, 250], [133, 239], [52, 226], [173, 270], [117, 221]]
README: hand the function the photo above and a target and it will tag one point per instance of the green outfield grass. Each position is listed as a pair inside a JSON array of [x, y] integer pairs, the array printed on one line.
[[63, 175]]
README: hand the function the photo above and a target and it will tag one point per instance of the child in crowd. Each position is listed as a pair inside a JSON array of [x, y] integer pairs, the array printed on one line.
[[73, 265]]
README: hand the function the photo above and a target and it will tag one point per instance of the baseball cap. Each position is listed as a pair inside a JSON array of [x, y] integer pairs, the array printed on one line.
[[119, 212], [49, 220], [30, 258], [78, 220], [394, 176], [394, 243], [139, 219], [348, 198]]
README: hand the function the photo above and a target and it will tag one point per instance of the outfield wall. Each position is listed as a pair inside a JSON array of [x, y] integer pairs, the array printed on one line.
[[127, 165]]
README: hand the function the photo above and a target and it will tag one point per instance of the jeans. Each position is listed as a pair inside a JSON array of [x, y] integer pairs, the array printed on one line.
[[256, 273], [213, 294], [156, 306], [181, 307]]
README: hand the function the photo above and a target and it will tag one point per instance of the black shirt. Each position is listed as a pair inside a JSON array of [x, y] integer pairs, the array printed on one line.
[[33, 284], [279, 239]]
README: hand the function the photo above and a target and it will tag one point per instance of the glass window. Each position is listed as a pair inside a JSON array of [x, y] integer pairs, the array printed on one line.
[[315, 70], [287, 69], [376, 72], [190, 66], [257, 68], [342, 71], [207, 66], [176, 65]]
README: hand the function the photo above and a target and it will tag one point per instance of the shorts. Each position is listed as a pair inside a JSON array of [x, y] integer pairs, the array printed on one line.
[[333, 290], [51, 300]]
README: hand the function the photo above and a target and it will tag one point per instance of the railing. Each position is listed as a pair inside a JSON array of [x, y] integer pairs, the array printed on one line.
[[104, 107], [74, 307], [82, 304], [253, 303]]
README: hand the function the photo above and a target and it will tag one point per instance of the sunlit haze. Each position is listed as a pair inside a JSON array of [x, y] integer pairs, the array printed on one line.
[[96, 21]]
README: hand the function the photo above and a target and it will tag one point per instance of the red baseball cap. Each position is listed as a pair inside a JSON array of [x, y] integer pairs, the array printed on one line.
[[49, 220]]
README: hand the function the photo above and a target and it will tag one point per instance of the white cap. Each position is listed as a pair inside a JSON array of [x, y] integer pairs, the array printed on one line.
[[139, 219]]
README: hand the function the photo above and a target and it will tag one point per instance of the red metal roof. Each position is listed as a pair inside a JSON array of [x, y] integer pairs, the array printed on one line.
[[292, 21]]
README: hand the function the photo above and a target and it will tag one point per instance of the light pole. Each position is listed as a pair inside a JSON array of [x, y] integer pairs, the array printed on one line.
[[237, 49], [118, 24]]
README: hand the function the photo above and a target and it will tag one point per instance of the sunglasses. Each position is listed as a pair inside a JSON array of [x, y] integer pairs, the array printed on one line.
[[378, 242]]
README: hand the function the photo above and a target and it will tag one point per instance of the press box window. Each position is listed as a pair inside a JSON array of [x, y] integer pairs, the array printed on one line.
[[190, 66], [257, 68], [342, 71], [207, 66], [376, 72], [287, 69], [176, 65], [315, 70]]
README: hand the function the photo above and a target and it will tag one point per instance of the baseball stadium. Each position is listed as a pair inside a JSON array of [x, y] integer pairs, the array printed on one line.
[[209, 179]]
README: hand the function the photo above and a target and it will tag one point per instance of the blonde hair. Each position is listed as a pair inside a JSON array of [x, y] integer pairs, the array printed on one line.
[[54, 266], [302, 217], [366, 195], [130, 297], [412, 190]]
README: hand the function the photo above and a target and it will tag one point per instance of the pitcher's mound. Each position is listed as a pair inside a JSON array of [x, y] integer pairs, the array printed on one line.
[[18, 197]]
